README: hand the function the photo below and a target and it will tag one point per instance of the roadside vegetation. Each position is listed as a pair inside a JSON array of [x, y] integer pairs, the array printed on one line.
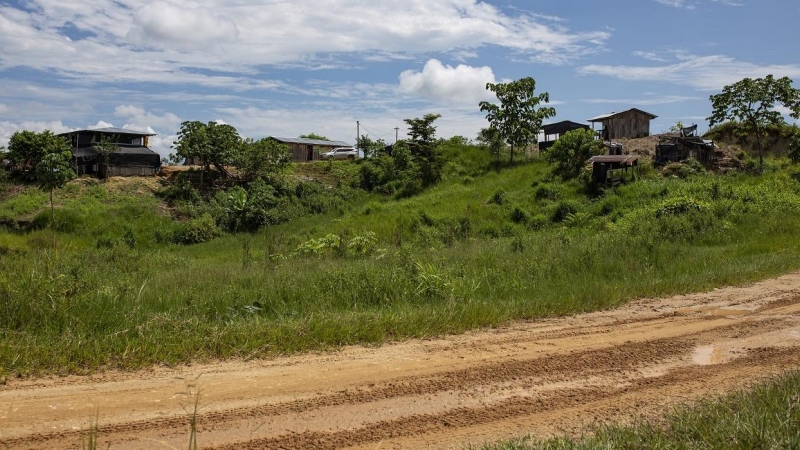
[[428, 237], [767, 416]]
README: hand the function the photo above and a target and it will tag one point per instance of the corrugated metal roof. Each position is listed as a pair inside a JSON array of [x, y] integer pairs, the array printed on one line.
[[563, 127], [311, 142], [612, 114], [110, 131], [622, 159]]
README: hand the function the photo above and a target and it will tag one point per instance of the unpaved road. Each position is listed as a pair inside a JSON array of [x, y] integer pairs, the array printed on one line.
[[542, 377]]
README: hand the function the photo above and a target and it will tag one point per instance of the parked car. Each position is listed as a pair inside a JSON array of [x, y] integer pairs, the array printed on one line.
[[340, 153]]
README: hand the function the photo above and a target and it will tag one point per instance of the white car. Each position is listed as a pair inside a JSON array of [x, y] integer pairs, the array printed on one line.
[[340, 153]]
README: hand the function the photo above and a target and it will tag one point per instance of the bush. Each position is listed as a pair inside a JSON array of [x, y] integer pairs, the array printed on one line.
[[499, 197], [547, 192], [564, 210], [519, 216], [196, 231], [571, 151]]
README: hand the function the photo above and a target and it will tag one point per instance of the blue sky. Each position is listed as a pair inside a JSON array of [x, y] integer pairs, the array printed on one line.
[[288, 67]]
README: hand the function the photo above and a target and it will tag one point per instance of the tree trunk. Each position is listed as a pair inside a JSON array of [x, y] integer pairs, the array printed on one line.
[[760, 153]]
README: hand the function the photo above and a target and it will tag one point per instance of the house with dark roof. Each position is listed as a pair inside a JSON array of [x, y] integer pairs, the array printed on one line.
[[130, 155], [553, 131], [304, 150], [631, 124]]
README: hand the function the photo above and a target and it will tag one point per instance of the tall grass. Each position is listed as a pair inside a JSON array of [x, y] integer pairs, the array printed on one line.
[[106, 293], [767, 416]]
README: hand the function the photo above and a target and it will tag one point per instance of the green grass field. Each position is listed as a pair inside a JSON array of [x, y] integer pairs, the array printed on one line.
[[765, 417], [101, 289]]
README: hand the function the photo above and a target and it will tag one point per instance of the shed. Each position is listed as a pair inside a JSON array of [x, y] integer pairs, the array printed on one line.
[[631, 124], [131, 157], [304, 150], [608, 169], [558, 129]]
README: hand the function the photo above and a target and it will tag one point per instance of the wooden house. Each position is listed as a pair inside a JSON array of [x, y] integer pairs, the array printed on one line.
[[630, 124], [553, 131], [304, 150], [129, 157]]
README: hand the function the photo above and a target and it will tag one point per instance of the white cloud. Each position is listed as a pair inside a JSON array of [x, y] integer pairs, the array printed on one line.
[[166, 25], [701, 72], [461, 84], [650, 56], [3, 108], [138, 117], [677, 3], [7, 129], [654, 100], [227, 44]]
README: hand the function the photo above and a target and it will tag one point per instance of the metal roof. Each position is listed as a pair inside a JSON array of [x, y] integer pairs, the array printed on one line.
[[563, 127], [621, 159], [612, 114], [311, 142], [110, 131]]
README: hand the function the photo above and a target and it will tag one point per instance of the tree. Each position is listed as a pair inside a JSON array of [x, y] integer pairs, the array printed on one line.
[[794, 149], [54, 169], [371, 148], [423, 147], [752, 103], [571, 151], [517, 118], [213, 143], [263, 158], [25, 149], [106, 146], [491, 139], [315, 136]]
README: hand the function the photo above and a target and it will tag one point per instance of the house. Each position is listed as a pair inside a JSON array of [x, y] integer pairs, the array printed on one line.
[[556, 130], [631, 124], [131, 156], [304, 150]]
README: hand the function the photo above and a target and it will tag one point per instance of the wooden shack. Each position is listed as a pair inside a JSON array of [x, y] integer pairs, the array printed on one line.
[[304, 150], [553, 131], [608, 170], [631, 124]]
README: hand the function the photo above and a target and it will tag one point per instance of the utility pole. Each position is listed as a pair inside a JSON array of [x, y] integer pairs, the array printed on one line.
[[396, 130], [358, 131]]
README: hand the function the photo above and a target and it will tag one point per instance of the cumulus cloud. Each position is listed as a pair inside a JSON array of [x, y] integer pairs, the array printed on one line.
[[169, 26], [227, 44], [7, 129], [461, 84], [702, 72], [138, 117], [652, 100]]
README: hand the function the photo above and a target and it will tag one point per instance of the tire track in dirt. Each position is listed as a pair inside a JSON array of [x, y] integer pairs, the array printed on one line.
[[439, 392]]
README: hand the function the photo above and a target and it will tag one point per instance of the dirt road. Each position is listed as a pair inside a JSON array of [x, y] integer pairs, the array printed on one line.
[[542, 377]]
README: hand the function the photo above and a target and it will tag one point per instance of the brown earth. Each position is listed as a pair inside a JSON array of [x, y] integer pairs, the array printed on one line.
[[544, 377]]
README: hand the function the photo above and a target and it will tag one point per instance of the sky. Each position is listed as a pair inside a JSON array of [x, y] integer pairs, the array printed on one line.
[[290, 67]]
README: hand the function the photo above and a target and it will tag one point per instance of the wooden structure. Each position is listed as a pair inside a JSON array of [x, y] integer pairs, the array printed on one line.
[[304, 150], [608, 169], [631, 124], [131, 157], [556, 130], [676, 149]]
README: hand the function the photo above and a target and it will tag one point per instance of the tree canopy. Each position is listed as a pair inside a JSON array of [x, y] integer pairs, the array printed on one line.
[[213, 143], [54, 169], [314, 136], [571, 151], [752, 103], [517, 118], [263, 158]]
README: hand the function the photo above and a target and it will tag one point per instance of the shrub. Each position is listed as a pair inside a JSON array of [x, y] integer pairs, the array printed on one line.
[[499, 197], [571, 151], [564, 209], [678, 207], [547, 192], [196, 231], [519, 216]]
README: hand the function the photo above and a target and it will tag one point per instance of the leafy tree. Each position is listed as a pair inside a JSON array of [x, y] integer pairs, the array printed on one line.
[[25, 149], [314, 136], [213, 143], [491, 139], [423, 147], [794, 149], [263, 158], [371, 148], [517, 118], [54, 169], [752, 103], [106, 146], [570, 152]]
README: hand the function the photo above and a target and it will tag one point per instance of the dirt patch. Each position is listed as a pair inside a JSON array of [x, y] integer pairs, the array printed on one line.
[[541, 377]]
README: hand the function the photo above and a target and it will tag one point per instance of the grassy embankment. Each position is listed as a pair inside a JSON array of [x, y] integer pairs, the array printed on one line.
[[479, 249], [767, 416]]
